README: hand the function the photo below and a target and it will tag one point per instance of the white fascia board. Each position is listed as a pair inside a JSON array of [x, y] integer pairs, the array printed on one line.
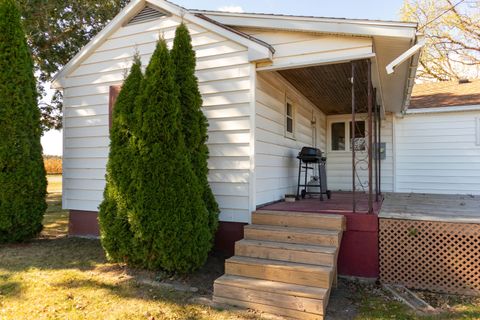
[[444, 109], [128, 12], [256, 51], [313, 62], [323, 25]]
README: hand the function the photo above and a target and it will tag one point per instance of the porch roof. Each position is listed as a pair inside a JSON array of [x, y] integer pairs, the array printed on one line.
[[390, 39], [329, 86]]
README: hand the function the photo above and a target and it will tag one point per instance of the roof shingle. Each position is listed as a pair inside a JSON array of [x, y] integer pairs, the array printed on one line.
[[445, 94]]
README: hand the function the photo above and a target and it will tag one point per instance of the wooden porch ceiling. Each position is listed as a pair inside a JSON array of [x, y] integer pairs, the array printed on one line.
[[329, 87]]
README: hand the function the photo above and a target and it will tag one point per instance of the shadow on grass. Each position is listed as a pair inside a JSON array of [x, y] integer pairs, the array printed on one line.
[[130, 289], [378, 304], [45, 254], [9, 288]]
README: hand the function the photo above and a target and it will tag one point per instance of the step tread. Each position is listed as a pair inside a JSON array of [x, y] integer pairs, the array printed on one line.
[[335, 217], [293, 229], [274, 310], [290, 246], [280, 264], [274, 287]]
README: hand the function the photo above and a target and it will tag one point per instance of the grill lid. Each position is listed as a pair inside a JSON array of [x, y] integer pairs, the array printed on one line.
[[309, 154]]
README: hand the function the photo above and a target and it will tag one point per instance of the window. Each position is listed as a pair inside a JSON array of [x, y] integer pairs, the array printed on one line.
[[289, 120], [340, 130], [338, 136], [113, 94], [359, 142]]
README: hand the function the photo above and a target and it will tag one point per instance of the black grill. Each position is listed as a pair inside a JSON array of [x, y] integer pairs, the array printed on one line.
[[312, 159], [309, 155]]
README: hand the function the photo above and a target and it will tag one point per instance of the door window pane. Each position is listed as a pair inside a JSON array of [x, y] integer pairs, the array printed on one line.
[[338, 136], [359, 142]]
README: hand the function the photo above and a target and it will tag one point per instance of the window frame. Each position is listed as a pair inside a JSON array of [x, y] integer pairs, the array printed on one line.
[[288, 134], [347, 125]]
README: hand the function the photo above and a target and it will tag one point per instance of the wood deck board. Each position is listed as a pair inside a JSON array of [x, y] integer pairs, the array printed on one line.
[[431, 207], [340, 203]]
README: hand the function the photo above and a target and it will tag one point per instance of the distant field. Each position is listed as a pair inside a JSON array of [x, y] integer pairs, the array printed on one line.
[[53, 164]]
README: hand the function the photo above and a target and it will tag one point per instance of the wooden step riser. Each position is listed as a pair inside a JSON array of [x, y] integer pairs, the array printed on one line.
[[257, 251], [293, 314], [319, 279], [299, 222], [292, 237], [272, 299]]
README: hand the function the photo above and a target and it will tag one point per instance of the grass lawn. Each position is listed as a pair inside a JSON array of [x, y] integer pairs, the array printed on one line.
[[55, 277]]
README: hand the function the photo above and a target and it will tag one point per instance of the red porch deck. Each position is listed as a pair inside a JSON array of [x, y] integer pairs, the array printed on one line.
[[359, 255], [340, 203]]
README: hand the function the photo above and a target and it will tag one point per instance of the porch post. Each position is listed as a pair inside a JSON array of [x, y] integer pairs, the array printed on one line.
[[370, 142], [353, 138], [375, 123], [379, 160]]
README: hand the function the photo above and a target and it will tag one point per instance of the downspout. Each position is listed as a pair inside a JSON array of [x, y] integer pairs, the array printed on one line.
[[414, 55]]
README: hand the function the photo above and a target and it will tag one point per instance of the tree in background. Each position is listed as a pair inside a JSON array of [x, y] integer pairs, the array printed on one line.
[[194, 124], [116, 234], [169, 214], [56, 30], [22, 174], [452, 32]]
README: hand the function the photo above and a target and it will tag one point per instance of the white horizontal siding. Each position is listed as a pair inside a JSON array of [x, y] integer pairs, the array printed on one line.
[[297, 48], [339, 163], [223, 72], [437, 153], [276, 166]]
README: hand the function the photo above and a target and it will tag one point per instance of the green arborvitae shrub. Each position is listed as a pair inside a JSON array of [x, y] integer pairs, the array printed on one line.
[[194, 123], [170, 217], [22, 174], [116, 235]]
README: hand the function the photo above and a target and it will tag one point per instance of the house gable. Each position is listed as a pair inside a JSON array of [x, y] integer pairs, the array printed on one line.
[[257, 50], [224, 74]]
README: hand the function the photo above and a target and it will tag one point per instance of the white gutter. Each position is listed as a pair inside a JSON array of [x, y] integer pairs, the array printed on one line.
[[444, 109], [414, 55], [406, 55]]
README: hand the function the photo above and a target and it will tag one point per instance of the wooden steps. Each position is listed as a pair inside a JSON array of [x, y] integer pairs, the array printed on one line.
[[299, 219], [316, 255], [283, 271], [285, 265], [293, 235], [263, 295]]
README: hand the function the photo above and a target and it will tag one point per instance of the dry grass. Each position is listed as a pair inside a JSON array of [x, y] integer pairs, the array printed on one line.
[[54, 183], [53, 164], [56, 277]]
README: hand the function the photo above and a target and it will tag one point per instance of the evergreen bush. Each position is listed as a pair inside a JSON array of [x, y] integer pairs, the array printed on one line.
[[169, 215], [22, 174], [194, 124], [116, 234]]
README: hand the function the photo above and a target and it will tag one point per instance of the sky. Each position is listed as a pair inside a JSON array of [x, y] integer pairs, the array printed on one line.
[[356, 9]]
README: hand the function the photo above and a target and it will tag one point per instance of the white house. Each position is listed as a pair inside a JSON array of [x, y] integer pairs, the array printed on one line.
[[437, 140], [257, 72], [272, 84]]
